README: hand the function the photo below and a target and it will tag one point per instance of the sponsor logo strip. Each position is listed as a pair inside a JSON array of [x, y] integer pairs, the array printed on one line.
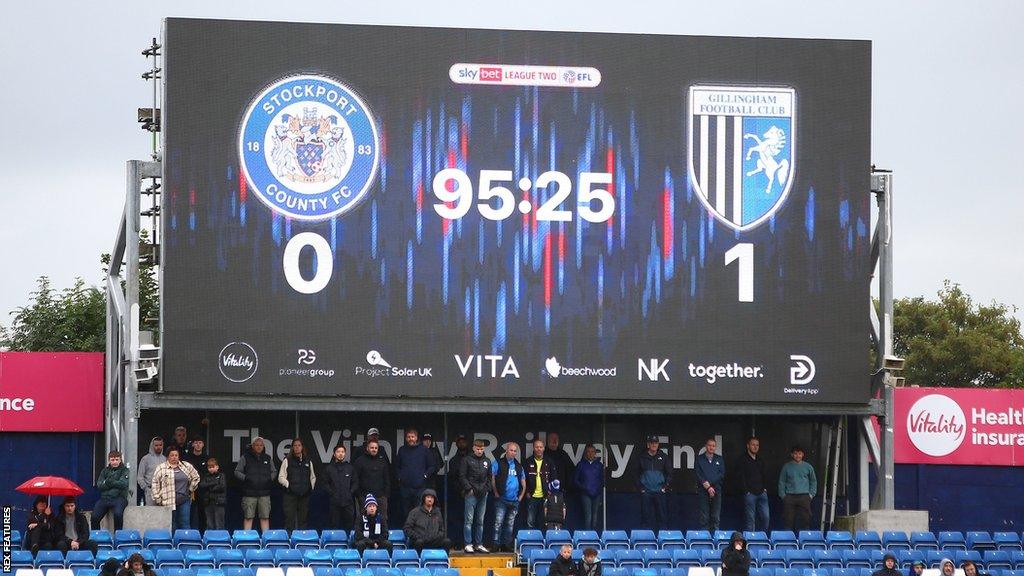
[[525, 75]]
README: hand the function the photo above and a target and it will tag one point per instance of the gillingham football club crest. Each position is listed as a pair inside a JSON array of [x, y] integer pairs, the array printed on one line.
[[309, 147], [741, 145]]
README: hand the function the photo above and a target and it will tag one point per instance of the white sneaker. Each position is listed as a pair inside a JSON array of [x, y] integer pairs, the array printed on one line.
[[468, 548], [480, 548]]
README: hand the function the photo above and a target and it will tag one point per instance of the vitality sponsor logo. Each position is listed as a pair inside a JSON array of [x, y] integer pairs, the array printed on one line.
[[487, 366], [525, 75], [711, 373], [554, 369], [238, 362], [309, 147], [377, 366], [936, 425]]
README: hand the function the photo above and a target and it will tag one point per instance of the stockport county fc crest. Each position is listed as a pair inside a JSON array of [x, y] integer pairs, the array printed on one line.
[[309, 147], [742, 143]]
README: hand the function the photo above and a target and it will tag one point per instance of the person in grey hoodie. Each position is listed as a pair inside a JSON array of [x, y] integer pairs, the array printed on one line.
[[147, 465], [946, 567]]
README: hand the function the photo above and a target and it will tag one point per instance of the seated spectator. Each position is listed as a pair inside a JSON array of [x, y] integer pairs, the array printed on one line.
[[111, 567], [136, 566], [590, 565], [563, 564], [372, 529], [736, 557], [946, 567], [71, 529], [113, 487], [554, 506], [39, 535], [425, 527], [971, 569], [916, 568], [888, 566]]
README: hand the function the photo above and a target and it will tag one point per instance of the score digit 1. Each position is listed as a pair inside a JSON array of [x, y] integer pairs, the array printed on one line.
[[745, 254]]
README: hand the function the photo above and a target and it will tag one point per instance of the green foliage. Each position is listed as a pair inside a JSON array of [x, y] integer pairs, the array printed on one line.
[[953, 342], [72, 320]]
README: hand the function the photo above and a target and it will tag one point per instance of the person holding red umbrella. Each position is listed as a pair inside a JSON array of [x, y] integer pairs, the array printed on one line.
[[39, 535], [71, 529]]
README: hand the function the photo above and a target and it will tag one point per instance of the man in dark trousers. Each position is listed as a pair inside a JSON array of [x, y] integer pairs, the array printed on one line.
[[371, 530], [538, 476], [436, 458], [413, 466], [753, 482], [797, 487], [197, 456], [373, 476], [710, 471], [425, 527], [71, 529], [339, 479], [475, 478], [653, 477], [113, 487], [561, 465]]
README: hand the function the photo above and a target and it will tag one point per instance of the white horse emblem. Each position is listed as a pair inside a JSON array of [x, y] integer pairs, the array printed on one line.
[[768, 147]]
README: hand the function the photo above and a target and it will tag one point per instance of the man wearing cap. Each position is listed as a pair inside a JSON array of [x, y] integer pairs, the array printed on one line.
[[475, 486], [357, 451], [797, 487], [436, 458], [653, 477], [413, 466], [371, 531]]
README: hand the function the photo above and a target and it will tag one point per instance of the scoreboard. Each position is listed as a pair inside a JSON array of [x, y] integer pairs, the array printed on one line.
[[375, 211]]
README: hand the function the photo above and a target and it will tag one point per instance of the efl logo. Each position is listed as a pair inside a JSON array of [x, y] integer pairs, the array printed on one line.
[[936, 425], [490, 74]]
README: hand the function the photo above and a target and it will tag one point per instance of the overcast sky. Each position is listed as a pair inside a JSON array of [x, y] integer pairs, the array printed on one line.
[[946, 116]]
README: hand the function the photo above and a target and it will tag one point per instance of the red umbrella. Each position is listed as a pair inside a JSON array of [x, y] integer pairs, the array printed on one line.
[[50, 486]]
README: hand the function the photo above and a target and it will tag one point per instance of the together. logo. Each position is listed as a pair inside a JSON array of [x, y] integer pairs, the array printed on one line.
[[936, 425], [238, 362]]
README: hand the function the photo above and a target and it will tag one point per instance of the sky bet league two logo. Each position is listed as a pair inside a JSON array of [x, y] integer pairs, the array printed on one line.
[[309, 147], [742, 141]]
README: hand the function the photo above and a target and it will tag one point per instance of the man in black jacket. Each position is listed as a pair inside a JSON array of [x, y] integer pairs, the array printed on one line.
[[559, 461], [538, 476], [214, 489], [339, 478], [71, 529], [475, 480], [736, 557], [750, 471], [257, 473], [563, 564], [888, 566], [653, 477], [39, 533], [425, 527], [373, 476], [197, 456]]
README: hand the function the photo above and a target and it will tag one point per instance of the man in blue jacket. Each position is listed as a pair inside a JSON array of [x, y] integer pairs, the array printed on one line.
[[710, 472], [413, 466], [589, 478], [653, 477]]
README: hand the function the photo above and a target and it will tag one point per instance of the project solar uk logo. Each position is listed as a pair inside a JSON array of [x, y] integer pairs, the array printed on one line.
[[309, 147], [741, 145]]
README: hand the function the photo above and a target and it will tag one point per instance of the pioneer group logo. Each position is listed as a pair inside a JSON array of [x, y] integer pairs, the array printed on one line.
[[238, 362], [309, 147], [936, 425]]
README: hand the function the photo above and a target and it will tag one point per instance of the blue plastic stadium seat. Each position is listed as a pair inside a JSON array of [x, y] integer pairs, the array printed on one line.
[[388, 571], [789, 572], [274, 539], [757, 541], [430, 558], [127, 539], [643, 539], [202, 571], [405, 559], [102, 538], [333, 539], [376, 558], [21, 559], [762, 572], [528, 540], [200, 558], [555, 538], [811, 540], [103, 555], [684, 558], [1008, 541], [828, 558], [905, 558], [415, 571], [236, 571], [683, 572], [359, 572], [799, 559], [697, 539], [959, 556], [540, 557], [654, 558], [1017, 557], [858, 558], [242, 539], [671, 539], [980, 541], [845, 572], [87, 572], [176, 572], [614, 540], [895, 540], [445, 572], [711, 558], [169, 558], [49, 559], [721, 538], [187, 539], [85, 559], [923, 541], [645, 572], [933, 558], [216, 539], [346, 558], [305, 540], [256, 557], [997, 560], [285, 557], [615, 572], [783, 540], [839, 540], [867, 540], [816, 571], [772, 558], [952, 541], [228, 558], [397, 538], [586, 539], [157, 539], [629, 558], [317, 558]]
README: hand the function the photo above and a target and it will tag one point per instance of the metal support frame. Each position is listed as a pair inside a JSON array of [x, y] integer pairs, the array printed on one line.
[[879, 450], [122, 406]]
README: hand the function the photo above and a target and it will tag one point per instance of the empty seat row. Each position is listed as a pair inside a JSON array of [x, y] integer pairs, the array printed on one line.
[[710, 571], [263, 571], [155, 539], [253, 557]]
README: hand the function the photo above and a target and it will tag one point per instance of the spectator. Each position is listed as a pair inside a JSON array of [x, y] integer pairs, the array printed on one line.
[[299, 479], [213, 488], [71, 529], [111, 567], [173, 484], [916, 568], [256, 471], [197, 456], [753, 482], [339, 478], [538, 476], [589, 478], [736, 557], [797, 487], [180, 440], [425, 526], [372, 531], [888, 566], [462, 449], [710, 474], [437, 460], [372, 435], [413, 465], [373, 478], [558, 461], [554, 507], [113, 486], [970, 568], [39, 534], [149, 462], [590, 565], [563, 564], [946, 567], [475, 478], [653, 477], [136, 566], [509, 484]]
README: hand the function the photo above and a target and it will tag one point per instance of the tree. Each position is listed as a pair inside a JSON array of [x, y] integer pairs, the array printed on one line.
[[953, 342]]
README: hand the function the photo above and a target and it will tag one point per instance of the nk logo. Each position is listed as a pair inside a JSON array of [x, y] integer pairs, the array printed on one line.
[[741, 151]]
